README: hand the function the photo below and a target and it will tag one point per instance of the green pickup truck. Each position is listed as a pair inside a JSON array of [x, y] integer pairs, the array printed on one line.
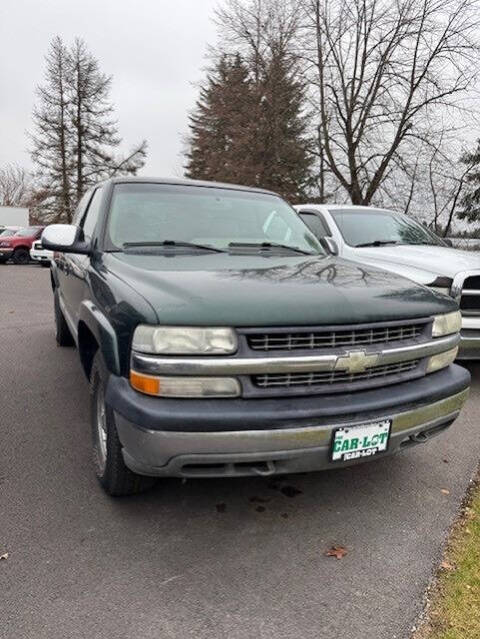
[[221, 339]]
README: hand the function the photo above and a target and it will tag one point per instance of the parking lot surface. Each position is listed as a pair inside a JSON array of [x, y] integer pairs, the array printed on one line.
[[235, 558]]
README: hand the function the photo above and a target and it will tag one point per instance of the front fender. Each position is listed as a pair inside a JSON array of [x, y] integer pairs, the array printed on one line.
[[100, 327], [54, 275]]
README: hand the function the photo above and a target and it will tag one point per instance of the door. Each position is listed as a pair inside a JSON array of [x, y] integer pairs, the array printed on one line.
[[76, 266]]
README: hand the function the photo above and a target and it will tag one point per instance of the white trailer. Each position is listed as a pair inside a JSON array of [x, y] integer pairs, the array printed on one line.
[[13, 216]]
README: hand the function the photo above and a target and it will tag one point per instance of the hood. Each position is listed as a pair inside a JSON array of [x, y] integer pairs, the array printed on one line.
[[223, 289], [420, 263]]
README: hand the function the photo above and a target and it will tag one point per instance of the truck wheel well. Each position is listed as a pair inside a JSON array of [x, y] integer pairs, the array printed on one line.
[[87, 347]]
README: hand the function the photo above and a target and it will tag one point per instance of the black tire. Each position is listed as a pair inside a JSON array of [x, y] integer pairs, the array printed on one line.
[[112, 473], [62, 332], [21, 256]]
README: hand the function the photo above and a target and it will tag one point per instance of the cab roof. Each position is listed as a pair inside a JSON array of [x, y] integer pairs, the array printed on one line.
[[185, 182]]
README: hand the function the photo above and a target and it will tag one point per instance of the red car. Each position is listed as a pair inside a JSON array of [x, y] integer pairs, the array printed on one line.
[[17, 247]]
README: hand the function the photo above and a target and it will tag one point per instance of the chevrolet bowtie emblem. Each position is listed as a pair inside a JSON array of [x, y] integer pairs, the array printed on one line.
[[356, 362]]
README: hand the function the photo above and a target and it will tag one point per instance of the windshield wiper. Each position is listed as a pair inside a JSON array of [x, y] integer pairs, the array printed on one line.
[[172, 243], [267, 245], [377, 243]]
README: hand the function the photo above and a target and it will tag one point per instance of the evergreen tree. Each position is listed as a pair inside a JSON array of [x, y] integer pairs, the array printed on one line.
[[282, 145], [95, 134], [220, 127], [471, 199], [75, 137], [248, 126], [52, 141]]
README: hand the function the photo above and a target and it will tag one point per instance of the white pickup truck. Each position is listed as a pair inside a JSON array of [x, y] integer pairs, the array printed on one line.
[[394, 242]]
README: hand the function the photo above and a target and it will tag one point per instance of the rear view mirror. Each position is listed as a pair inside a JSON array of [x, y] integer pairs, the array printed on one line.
[[329, 245], [65, 238]]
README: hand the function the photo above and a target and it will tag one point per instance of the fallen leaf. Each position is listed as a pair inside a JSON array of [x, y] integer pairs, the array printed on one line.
[[445, 461], [285, 515], [259, 500], [445, 565], [4, 556], [260, 509], [337, 551], [221, 508], [445, 491]]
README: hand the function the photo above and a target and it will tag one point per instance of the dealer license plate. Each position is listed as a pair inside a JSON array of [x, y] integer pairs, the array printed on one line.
[[364, 440]]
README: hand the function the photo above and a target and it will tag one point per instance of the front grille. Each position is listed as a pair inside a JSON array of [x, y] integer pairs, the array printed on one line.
[[312, 340], [472, 282], [288, 380], [470, 303]]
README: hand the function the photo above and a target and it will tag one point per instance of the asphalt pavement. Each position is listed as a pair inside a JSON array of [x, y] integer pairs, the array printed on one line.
[[229, 558]]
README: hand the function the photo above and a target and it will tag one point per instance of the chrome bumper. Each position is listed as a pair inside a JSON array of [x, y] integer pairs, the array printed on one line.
[[469, 347], [266, 452]]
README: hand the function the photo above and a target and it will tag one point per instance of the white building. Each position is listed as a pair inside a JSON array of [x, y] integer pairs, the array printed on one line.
[[13, 216]]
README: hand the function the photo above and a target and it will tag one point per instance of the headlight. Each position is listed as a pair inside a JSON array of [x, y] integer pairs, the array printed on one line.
[[436, 362], [185, 387], [447, 324], [180, 340]]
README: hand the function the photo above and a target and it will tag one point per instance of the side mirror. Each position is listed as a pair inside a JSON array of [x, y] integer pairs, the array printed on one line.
[[65, 238], [329, 245]]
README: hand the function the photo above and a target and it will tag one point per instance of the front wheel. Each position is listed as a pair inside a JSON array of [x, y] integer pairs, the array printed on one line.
[[110, 469], [21, 256]]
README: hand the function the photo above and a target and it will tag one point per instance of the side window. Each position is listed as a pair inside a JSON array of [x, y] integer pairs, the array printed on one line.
[[90, 218], [316, 223]]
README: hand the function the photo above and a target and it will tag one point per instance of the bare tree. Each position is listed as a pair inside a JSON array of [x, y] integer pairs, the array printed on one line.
[[15, 186], [380, 72]]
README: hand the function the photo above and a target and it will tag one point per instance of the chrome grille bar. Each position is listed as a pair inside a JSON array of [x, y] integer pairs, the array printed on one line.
[[155, 365], [331, 377], [331, 339]]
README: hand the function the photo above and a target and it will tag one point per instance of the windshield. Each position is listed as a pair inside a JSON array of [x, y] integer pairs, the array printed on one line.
[[208, 216], [6, 232], [32, 230], [375, 228]]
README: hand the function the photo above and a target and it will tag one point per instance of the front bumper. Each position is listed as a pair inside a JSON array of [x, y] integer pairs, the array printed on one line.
[[41, 256], [5, 253], [212, 438], [469, 347]]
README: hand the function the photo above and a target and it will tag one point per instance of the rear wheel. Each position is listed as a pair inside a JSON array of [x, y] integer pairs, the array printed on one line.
[[62, 332], [21, 256], [110, 469]]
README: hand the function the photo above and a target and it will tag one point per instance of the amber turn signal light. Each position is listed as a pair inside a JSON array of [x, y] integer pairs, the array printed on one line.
[[145, 383]]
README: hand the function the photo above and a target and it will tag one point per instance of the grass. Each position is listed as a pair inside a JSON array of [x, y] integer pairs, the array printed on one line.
[[454, 611]]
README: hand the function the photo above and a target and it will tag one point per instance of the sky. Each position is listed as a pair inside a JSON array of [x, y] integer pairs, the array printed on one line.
[[154, 49]]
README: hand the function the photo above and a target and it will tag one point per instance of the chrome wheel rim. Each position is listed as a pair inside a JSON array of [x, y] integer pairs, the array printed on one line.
[[101, 428]]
